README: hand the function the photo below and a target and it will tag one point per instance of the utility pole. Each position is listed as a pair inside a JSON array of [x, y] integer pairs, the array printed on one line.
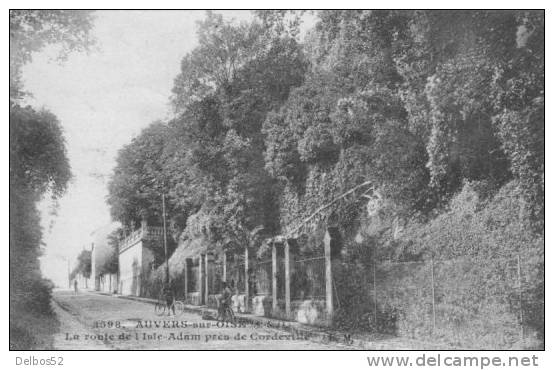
[[165, 242]]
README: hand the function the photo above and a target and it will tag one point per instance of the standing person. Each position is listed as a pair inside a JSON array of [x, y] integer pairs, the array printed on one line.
[[225, 301], [75, 286]]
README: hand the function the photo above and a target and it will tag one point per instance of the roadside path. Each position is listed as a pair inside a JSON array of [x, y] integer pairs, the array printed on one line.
[[84, 318], [69, 325]]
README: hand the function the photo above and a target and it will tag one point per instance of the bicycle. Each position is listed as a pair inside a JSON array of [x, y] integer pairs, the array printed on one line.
[[161, 307], [225, 313]]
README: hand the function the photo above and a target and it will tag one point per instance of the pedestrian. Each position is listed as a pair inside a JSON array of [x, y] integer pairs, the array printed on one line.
[[75, 286]]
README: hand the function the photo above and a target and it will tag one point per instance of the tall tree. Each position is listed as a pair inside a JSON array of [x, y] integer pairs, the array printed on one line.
[[212, 159], [32, 30], [38, 159]]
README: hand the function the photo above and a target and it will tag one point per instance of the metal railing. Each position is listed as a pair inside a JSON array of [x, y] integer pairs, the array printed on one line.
[[147, 233], [215, 276], [263, 278], [193, 280], [236, 276], [308, 278]]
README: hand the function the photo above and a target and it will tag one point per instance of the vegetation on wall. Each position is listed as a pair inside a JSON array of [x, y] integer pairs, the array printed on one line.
[[480, 262], [442, 111]]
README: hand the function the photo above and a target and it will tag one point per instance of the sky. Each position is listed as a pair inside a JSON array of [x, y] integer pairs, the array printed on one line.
[[103, 99]]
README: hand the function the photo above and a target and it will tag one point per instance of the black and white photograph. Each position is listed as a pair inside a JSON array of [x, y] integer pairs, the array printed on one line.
[[336, 180]]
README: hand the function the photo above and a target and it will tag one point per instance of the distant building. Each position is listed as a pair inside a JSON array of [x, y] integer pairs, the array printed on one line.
[[102, 252]]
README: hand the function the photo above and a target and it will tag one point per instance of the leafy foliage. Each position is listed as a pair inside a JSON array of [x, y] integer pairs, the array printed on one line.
[[138, 180], [480, 287], [210, 157], [38, 166], [443, 111], [32, 30], [38, 159], [416, 92], [84, 266], [111, 264]]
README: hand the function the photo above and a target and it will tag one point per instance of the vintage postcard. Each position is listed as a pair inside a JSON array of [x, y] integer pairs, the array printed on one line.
[[277, 180]]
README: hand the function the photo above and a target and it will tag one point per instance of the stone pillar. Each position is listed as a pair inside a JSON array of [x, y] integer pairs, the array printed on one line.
[[143, 224], [246, 282], [186, 272], [224, 278], [287, 278], [95, 279], [273, 277], [201, 278], [207, 259], [328, 276]]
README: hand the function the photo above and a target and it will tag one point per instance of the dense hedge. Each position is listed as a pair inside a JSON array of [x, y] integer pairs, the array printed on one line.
[[468, 258]]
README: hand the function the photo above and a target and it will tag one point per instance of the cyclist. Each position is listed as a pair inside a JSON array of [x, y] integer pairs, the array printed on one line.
[[225, 301], [169, 299]]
